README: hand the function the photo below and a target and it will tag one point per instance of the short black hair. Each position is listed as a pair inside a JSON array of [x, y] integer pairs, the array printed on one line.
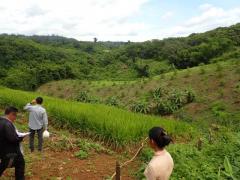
[[39, 100], [159, 136], [10, 109]]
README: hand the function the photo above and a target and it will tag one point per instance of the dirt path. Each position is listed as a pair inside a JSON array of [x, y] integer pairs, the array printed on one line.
[[51, 165], [60, 163], [63, 165]]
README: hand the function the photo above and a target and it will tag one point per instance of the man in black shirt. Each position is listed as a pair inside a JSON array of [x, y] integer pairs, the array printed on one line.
[[10, 153]]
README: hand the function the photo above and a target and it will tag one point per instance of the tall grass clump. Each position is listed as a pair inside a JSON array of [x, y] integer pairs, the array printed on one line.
[[107, 123]]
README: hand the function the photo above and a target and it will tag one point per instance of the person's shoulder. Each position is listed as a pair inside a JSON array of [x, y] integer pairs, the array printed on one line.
[[151, 166], [168, 154], [42, 108], [5, 122], [3, 119], [154, 161], [169, 157]]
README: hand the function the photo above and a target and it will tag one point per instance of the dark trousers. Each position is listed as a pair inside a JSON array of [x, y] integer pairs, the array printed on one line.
[[40, 139], [18, 163]]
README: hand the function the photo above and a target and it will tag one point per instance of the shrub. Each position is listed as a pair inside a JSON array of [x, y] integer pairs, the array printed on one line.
[[83, 97], [87, 145], [141, 107], [167, 102], [81, 154], [177, 98], [112, 101], [165, 107], [61, 144], [158, 93], [95, 100], [190, 95]]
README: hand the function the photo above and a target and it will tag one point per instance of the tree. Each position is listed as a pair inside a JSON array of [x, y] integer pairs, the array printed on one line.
[[143, 71]]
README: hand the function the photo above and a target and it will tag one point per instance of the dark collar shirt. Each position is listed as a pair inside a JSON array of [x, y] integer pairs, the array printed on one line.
[[9, 140]]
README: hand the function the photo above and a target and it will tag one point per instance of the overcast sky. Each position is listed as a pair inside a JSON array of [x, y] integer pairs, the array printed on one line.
[[116, 20]]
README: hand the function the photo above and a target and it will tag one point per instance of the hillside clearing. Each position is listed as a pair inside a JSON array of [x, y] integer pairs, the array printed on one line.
[[211, 83]]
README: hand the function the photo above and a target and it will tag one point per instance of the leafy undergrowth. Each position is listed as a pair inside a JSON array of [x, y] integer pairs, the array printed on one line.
[[205, 159]]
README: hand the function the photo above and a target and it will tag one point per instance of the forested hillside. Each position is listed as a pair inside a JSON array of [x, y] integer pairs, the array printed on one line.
[[26, 62]]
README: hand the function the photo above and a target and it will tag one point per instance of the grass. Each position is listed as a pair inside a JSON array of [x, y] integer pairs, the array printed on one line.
[[109, 124], [191, 76]]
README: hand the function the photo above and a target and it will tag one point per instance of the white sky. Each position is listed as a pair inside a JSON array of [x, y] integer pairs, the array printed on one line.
[[116, 20]]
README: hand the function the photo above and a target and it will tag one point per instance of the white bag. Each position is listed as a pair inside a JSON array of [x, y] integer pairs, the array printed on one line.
[[46, 134]]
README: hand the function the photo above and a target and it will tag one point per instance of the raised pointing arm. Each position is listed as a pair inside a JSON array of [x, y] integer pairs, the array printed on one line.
[[28, 107]]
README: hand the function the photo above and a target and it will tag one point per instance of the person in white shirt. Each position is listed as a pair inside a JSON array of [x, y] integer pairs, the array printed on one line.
[[38, 121], [161, 165]]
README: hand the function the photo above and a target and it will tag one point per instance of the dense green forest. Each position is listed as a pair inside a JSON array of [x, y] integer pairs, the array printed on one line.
[[26, 62]]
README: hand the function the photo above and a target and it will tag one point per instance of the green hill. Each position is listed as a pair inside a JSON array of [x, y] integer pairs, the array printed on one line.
[[213, 85], [26, 62]]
